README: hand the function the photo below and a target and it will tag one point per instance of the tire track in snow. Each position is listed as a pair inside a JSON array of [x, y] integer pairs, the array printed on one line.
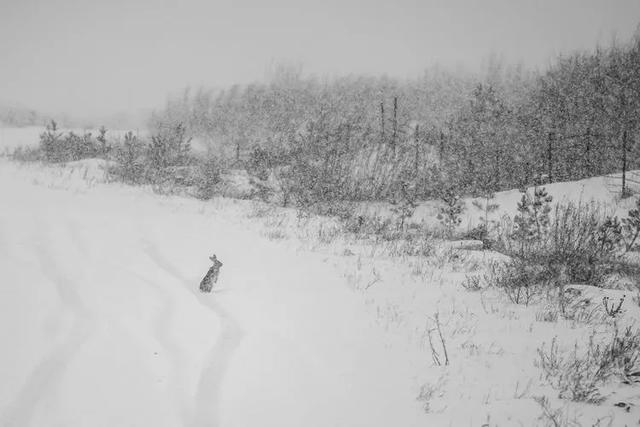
[[77, 239], [172, 350], [208, 395], [45, 376], [161, 327], [176, 381], [207, 400]]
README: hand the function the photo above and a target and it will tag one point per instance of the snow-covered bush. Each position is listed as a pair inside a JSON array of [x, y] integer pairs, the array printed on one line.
[[105, 148], [519, 280], [26, 154], [472, 283], [377, 227], [574, 242], [209, 176], [56, 147], [49, 142], [450, 214], [168, 148], [532, 220], [579, 374], [583, 242], [631, 227], [412, 245], [485, 231], [260, 162], [129, 156], [166, 162], [404, 204]]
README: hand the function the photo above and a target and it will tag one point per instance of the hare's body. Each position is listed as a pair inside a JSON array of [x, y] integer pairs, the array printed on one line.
[[209, 279], [206, 285]]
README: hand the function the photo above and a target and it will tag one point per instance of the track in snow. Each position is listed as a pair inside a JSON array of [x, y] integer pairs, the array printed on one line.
[[45, 376], [207, 398]]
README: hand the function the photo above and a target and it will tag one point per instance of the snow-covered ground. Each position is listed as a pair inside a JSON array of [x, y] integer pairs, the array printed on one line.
[[12, 137], [102, 323]]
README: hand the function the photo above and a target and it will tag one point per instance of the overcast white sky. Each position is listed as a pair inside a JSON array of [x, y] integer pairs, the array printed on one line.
[[98, 57]]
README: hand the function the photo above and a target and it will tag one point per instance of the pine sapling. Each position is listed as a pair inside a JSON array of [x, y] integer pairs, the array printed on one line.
[[49, 141], [129, 158], [102, 139], [523, 233], [609, 236], [486, 225], [168, 148], [541, 207], [406, 206], [449, 214], [631, 227], [533, 218]]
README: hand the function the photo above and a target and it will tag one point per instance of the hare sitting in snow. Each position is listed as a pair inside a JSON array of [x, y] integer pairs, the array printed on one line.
[[212, 275]]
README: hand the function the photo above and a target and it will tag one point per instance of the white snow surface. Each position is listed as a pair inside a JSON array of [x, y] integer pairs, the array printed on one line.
[[102, 323]]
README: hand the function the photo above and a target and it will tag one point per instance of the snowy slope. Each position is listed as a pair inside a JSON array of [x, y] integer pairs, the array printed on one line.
[[102, 324], [603, 191]]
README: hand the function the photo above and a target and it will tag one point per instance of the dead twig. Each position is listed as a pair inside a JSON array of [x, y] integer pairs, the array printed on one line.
[[434, 353]]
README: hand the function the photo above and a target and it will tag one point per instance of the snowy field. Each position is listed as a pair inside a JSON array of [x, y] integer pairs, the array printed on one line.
[[102, 323]]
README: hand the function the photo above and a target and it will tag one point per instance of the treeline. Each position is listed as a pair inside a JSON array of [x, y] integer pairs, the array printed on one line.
[[163, 160], [578, 119], [20, 117], [365, 138]]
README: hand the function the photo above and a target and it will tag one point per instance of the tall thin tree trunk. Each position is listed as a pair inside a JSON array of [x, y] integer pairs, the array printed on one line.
[[378, 151], [496, 177], [551, 137], [417, 156], [395, 123], [382, 122], [587, 154], [624, 163]]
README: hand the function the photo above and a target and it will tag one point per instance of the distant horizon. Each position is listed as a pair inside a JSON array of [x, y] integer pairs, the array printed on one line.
[[95, 59]]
